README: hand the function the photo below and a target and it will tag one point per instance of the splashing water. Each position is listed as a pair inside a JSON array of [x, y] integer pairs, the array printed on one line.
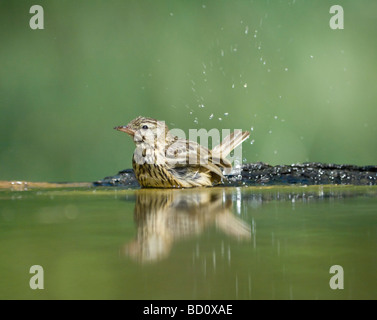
[[237, 168]]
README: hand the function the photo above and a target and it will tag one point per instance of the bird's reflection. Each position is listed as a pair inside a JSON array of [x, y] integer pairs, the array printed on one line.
[[165, 216]]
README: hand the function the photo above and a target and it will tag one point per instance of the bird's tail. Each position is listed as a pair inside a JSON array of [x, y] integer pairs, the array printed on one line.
[[229, 143]]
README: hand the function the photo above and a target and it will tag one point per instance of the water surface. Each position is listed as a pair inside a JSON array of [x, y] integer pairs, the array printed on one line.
[[211, 243]]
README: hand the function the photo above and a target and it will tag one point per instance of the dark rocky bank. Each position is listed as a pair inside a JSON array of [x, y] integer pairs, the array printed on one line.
[[256, 174]]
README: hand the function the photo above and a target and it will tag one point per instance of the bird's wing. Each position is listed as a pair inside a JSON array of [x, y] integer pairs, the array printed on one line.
[[189, 153], [229, 143]]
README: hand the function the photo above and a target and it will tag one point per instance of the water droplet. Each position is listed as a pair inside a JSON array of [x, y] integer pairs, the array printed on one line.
[[252, 141], [247, 30], [275, 152], [204, 6], [196, 120], [270, 131], [275, 117], [220, 119], [171, 14], [245, 85], [252, 129], [286, 69], [211, 116], [264, 62], [222, 52], [311, 57], [226, 113], [233, 86], [201, 106]]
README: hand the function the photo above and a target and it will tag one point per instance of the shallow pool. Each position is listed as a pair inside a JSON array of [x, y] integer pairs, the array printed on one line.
[[211, 243]]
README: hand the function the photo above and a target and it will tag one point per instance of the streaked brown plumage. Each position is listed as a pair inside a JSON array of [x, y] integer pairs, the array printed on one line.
[[162, 160]]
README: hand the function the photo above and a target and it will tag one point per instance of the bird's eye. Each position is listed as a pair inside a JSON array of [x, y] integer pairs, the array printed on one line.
[[145, 127]]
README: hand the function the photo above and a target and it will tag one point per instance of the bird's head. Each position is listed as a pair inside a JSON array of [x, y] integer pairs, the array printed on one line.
[[145, 130]]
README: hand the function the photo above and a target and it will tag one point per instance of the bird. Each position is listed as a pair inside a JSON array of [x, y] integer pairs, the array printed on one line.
[[163, 160]]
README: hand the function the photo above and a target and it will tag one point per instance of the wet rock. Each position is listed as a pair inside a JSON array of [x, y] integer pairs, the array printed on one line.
[[310, 173], [124, 178], [259, 173]]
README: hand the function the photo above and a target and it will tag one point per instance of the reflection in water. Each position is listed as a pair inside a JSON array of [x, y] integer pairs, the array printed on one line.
[[165, 216]]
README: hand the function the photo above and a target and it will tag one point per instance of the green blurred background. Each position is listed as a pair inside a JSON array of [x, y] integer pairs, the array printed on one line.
[[307, 91]]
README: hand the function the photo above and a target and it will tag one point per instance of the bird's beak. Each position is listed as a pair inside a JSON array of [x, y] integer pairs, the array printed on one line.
[[125, 129]]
